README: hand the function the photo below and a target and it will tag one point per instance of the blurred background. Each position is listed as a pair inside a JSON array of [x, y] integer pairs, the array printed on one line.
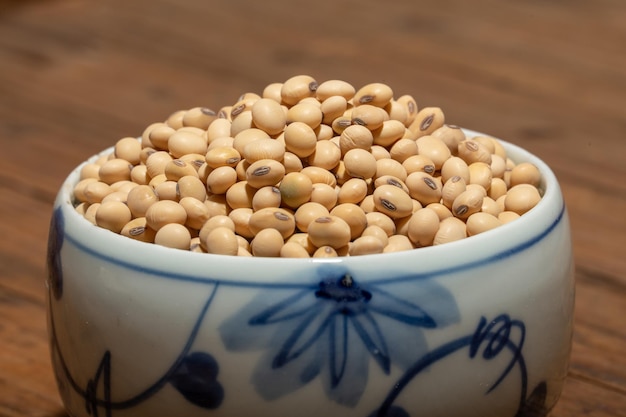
[[77, 75]]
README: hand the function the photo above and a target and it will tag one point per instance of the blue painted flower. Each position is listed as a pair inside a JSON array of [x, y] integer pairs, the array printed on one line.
[[333, 330]]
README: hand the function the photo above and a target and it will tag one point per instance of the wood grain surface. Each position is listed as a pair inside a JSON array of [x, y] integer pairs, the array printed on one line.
[[76, 75]]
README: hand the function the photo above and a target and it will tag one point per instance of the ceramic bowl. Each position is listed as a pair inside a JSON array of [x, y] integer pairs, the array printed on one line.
[[477, 327]]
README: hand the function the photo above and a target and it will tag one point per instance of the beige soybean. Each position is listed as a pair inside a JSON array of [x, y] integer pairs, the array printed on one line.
[[332, 88], [268, 196], [450, 229], [508, 216], [197, 212], [490, 206], [240, 195], [521, 198], [341, 123], [268, 115], [326, 155], [450, 135], [427, 120], [138, 229], [163, 212], [375, 94], [497, 188], [402, 149], [114, 170], [423, 187], [319, 175], [324, 132], [377, 232], [272, 91], [246, 136], [480, 173], [352, 191], [90, 170], [139, 174], [184, 142], [398, 243], [264, 148], [472, 151], [241, 220], [156, 163], [366, 245], [177, 168], [175, 119], [300, 139], [140, 198], [216, 204], [371, 117], [332, 108], [419, 163], [423, 226], [296, 88], [159, 136], [367, 205], [391, 180], [307, 113], [393, 201], [451, 190], [295, 189], [324, 194], [222, 156], [481, 222], [113, 215], [498, 166], [308, 212], [390, 167], [220, 241], [128, 149], [293, 250], [376, 218], [273, 218], [167, 190], [434, 149], [325, 252], [330, 231], [173, 235], [355, 137], [264, 172], [396, 111], [410, 105], [455, 166], [94, 191], [267, 243], [353, 215], [292, 162], [90, 213], [525, 173], [200, 117], [221, 179], [467, 203], [220, 128], [360, 163], [388, 133], [441, 210], [116, 196], [191, 186]]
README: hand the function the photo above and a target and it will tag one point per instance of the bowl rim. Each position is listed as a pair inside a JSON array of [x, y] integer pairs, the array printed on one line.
[[494, 245]]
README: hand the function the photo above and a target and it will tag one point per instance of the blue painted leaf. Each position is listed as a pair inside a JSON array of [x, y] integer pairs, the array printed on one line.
[[196, 379], [55, 242]]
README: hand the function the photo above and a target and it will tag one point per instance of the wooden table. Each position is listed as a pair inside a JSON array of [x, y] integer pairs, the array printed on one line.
[[75, 76]]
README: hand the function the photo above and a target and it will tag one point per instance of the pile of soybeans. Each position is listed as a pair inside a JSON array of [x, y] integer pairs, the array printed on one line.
[[305, 169]]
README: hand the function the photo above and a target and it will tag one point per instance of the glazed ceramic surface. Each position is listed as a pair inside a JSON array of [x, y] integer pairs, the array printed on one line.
[[478, 327]]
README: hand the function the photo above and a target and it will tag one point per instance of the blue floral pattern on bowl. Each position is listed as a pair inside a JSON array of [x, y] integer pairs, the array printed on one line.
[[332, 331]]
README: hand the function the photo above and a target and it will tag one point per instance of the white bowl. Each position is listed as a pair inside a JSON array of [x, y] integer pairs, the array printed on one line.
[[477, 327]]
